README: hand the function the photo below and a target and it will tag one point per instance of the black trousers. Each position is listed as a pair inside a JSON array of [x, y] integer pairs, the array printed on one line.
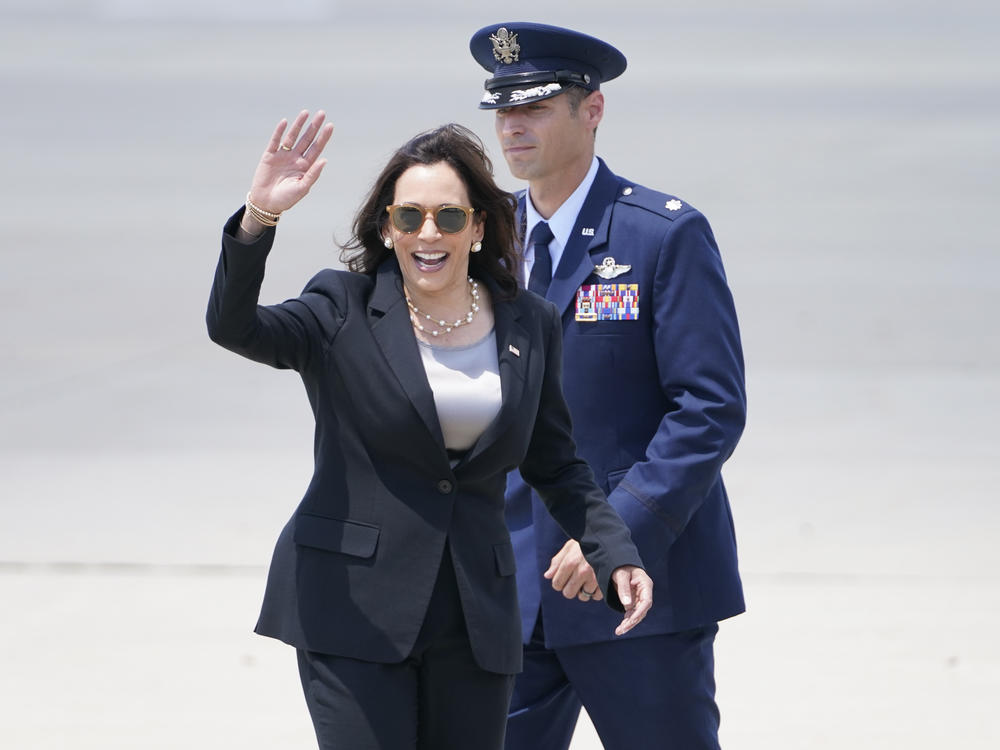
[[438, 698]]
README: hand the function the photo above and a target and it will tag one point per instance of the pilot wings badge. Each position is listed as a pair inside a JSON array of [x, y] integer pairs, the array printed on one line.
[[609, 269], [505, 46]]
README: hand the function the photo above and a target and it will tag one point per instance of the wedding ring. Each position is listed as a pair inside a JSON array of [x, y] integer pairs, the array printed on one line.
[[285, 148]]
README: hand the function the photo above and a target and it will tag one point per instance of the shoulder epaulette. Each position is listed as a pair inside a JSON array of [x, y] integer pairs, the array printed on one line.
[[662, 204]]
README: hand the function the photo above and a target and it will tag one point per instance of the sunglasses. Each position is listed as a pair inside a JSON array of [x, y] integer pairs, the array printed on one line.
[[409, 217]]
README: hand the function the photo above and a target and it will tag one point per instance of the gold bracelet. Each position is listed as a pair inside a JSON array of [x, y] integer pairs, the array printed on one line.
[[260, 210], [264, 217], [261, 219]]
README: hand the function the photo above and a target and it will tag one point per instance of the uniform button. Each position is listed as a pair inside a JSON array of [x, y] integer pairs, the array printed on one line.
[[627, 191], [445, 486]]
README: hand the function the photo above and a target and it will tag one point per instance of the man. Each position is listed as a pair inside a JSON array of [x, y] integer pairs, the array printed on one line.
[[653, 373]]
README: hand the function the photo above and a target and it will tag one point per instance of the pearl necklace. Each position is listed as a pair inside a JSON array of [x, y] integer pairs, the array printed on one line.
[[446, 327]]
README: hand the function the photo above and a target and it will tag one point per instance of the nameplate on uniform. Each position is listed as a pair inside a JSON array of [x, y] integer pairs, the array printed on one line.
[[595, 302]]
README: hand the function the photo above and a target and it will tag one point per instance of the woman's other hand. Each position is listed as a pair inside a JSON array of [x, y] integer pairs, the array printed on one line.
[[572, 575], [635, 590]]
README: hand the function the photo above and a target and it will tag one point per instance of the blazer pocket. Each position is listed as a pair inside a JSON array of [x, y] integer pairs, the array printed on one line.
[[610, 327], [504, 554], [614, 477], [335, 535]]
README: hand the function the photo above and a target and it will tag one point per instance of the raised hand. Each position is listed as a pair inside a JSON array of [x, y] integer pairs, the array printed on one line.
[[290, 165]]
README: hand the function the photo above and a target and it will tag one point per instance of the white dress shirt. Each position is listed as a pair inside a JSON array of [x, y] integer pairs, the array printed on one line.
[[561, 222]]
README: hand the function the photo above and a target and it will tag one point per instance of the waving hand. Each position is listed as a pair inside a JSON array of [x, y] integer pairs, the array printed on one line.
[[289, 166]]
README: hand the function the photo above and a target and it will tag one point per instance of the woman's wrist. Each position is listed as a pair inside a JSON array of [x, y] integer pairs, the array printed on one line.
[[263, 216], [255, 220], [250, 228]]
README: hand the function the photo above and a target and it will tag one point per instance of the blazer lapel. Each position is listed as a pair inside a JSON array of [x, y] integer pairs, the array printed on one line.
[[513, 354], [389, 320], [576, 264]]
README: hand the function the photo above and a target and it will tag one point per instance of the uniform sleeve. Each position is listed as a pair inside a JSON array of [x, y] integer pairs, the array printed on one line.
[[700, 368], [565, 482], [288, 335]]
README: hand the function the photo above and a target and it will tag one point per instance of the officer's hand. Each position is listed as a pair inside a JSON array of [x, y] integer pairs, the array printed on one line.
[[572, 575], [635, 590]]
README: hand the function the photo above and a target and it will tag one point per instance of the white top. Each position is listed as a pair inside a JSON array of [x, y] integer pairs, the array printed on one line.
[[561, 222], [466, 385]]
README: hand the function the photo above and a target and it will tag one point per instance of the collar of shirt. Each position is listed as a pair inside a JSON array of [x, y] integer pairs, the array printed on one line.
[[561, 222]]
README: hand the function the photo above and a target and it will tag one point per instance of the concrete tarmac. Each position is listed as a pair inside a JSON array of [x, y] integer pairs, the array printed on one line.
[[847, 156]]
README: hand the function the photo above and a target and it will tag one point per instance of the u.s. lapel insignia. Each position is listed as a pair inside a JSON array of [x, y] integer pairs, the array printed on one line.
[[505, 46], [609, 269]]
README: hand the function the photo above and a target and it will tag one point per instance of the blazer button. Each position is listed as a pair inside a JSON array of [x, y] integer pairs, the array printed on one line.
[[445, 486]]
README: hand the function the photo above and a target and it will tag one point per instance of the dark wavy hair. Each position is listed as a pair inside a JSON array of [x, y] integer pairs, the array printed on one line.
[[463, 151]]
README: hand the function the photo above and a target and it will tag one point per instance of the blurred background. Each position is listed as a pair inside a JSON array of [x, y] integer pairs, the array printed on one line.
[[847, 155]]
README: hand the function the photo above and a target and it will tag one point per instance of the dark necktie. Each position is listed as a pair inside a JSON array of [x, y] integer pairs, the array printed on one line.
[[541, 270]]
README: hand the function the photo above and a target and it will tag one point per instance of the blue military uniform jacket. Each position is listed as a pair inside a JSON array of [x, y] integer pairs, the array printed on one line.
[[653, 375]]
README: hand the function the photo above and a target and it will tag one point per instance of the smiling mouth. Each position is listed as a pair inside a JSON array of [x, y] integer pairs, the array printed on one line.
[[430, 261]]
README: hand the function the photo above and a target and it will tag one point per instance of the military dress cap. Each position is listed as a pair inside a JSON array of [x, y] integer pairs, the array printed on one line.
[[533, 61]]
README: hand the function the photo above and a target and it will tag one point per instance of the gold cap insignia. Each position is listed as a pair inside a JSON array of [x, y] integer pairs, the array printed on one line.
[[609, 269], [505, 46]]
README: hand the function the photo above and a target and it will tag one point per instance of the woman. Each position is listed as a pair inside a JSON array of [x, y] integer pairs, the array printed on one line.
[[430, 377]]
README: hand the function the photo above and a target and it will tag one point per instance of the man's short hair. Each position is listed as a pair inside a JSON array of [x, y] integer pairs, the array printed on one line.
[[575, 95]]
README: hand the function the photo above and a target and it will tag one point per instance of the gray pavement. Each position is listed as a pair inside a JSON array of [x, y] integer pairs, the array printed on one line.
[[847, 155]]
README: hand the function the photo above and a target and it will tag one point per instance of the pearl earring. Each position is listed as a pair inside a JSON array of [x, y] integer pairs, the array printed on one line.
[[387, 242], [477, 246]]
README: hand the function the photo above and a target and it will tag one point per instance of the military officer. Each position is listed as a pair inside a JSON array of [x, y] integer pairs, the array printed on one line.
[[653, 374]]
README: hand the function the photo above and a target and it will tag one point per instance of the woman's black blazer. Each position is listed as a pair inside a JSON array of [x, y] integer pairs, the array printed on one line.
[[353, 569]]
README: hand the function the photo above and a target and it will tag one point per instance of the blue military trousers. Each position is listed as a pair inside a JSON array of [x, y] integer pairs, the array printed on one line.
[[654, 691]]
